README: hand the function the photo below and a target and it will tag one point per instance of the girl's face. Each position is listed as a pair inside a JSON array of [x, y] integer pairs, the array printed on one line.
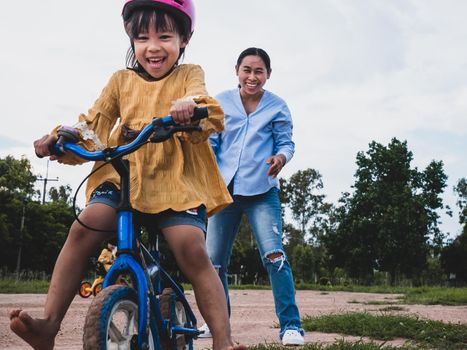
[[158, 51], [252, 75]]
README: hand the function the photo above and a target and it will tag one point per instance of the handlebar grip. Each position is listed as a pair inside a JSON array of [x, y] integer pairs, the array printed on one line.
[[65, 134], [200, 113]]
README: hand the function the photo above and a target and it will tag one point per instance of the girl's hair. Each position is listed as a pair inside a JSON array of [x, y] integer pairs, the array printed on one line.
[[255, 51], [163, 21]]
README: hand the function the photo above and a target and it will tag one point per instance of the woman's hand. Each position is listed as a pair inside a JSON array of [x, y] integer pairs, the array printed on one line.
[[182, 111], [277, 162]]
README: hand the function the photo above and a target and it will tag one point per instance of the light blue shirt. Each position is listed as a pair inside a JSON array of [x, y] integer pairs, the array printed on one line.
[[249, 140]]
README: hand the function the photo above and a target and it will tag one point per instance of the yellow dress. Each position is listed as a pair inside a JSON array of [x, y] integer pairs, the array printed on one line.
[[180, 173]]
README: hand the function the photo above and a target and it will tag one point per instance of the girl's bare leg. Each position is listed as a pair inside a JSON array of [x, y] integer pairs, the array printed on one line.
[[80, 244], [188, 245]]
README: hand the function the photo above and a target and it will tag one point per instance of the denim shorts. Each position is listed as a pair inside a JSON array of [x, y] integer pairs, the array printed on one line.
[[108, 194]]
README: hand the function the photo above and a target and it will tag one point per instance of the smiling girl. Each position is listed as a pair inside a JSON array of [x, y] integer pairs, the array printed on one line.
[[176, 182]]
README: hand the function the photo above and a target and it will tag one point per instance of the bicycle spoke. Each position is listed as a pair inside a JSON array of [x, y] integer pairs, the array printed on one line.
[[115, 336]]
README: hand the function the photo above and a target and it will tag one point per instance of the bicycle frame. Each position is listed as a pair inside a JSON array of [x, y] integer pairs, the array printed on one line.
[[126, 262], [132, 257]]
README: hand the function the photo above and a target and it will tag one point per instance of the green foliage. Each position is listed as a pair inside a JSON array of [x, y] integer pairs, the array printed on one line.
[[14, 286], [454, 257], [16, 176], [38, 231], [461, 190], [308, 207], [390, 222], [61, 194], [436, 296], [387, 327], [303, 262]]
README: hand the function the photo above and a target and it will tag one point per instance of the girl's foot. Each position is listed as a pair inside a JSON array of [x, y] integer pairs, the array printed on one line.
[[38, 333]]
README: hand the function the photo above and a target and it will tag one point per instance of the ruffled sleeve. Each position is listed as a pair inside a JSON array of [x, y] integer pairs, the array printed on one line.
[[196, 90], [95, 126]]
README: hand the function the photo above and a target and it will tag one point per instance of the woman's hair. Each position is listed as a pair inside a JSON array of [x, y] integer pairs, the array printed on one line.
[[255, 51], [163, 21]]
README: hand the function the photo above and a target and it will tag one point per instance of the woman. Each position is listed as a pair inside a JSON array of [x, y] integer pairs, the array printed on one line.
[[251, 151]]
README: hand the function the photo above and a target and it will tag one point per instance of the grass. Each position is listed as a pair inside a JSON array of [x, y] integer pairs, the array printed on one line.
[[410, 295], [426, 333], [393, 308], [13, 286], [339, 345], [436, 295], [353, 288], [422, 334], [421, 295]]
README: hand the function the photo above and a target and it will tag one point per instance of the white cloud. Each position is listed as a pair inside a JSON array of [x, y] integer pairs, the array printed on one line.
[[351, 72]]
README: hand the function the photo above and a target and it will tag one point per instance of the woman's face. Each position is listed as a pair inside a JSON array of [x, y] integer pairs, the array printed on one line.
[[252, 75]]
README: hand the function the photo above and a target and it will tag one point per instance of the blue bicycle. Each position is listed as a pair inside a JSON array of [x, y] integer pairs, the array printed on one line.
[[143, 315]]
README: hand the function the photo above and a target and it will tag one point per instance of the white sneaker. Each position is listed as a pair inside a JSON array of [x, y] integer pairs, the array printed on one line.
[[207, 333], [292, 337]]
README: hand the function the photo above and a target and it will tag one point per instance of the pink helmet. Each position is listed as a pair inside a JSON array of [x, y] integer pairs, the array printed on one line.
[[184, 7]]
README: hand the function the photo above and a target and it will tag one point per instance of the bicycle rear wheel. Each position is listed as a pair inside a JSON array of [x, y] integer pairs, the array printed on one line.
[[85, 289], [112, 320]]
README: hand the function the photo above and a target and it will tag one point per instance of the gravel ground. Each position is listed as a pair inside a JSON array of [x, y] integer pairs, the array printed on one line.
[[253, 318]]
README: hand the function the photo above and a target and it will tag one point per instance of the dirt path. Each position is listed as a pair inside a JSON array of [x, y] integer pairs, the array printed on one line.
[[253, 317]]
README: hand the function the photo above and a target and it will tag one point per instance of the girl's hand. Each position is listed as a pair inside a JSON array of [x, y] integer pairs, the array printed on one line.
[[277, 162], [42, 146], [182, 111]]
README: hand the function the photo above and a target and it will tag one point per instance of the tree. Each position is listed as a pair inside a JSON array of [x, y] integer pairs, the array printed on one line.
[[45, 226], [62, 194], [16, 186], [461, 189], [454, 258], [390, 222], [16, 176], [299, 194], [454, 255], [303, 263]]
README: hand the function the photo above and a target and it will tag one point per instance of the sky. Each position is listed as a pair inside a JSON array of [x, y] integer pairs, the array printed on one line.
[[351, 72]]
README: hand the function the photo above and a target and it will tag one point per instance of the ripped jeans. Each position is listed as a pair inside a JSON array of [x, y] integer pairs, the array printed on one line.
[[264, 215]]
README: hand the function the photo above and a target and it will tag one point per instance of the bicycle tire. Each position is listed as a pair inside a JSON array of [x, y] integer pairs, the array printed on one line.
[[112, 320], [172, 309], [85, 289]]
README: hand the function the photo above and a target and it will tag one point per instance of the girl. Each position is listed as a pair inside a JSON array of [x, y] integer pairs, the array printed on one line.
[[176, 181], [251, 151]]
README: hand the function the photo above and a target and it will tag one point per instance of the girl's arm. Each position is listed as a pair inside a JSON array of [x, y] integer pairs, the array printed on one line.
[[94, 127], [195, 90]]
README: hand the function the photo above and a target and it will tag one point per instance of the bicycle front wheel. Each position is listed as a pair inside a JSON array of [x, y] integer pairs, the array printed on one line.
[[112, 320]]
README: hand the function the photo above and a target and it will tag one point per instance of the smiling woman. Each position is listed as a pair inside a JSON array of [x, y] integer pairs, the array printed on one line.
[[251, 152]]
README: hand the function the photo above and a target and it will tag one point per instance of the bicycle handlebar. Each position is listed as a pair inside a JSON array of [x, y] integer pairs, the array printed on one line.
[[68, 137]]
